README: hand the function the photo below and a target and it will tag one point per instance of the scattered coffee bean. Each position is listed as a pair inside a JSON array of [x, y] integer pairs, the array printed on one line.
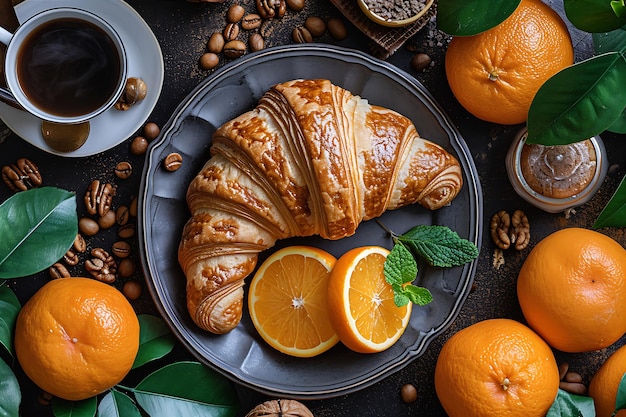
[[126, 268], [251, 21], [256, 42], [337, 29], [420, 62], [58, 270], [216, 43], [209, 60], [295, 5], [408, 392], [107, 221], [122, 215], [234, 49], [126, 231], [132, 209], [173, 161], [132, 289], [88, 226], [121, 249], [231, 31], [315, 25], [234, 13], [44, 398], [139, 145], [123, 170], [301, 35]]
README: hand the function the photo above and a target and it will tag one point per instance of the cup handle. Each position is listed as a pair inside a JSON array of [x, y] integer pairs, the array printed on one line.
[[5, 36]]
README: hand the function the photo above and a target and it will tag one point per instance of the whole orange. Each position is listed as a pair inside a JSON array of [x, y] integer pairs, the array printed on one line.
[[496, 74], [572, 290], [604, 384], [76, 337], [496, 367]]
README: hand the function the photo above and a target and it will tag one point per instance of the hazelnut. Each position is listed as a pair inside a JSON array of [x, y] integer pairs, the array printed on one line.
[[420, 62], [151, 131], [209, 60], [132, 289], [315, 25], [337, 28], [408, 392], [134, 91], [139, 145]]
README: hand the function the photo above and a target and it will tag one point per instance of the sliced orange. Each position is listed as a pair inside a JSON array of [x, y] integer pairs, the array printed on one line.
[[287, 301], [361, 303]]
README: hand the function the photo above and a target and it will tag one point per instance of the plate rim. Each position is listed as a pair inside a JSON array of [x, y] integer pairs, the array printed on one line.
[[456, 141]]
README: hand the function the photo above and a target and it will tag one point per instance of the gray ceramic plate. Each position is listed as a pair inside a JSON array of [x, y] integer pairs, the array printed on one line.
[[242, 355]]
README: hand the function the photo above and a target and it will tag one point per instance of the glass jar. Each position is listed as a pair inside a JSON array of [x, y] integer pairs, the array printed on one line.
[[556, 178]]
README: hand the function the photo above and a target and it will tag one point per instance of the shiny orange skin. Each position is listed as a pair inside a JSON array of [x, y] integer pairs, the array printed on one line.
[[76, 337], [604, 384], [496, 367], [496, 74], [572, 290]]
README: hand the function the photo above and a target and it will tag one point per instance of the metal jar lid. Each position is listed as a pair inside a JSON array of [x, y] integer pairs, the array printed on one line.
[[555, 178]]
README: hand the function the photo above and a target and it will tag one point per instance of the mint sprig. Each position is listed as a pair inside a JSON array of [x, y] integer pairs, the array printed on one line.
[[437, 245]]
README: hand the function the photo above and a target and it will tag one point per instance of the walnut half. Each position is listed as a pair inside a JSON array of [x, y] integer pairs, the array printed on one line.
[[280, 408]]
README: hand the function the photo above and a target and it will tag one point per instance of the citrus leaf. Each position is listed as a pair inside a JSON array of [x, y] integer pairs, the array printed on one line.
[[592, 15], [578, 102], [614, 41], [117, 404], [439, 245], [83, 408], [9, 308], [37, 226], [470, 17], [198, 391], [620, 398], [571, 405], [155, 339], [10, 395], [614, 213]]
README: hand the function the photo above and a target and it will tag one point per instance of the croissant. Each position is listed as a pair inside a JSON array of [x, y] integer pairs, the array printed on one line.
[[310, 159]]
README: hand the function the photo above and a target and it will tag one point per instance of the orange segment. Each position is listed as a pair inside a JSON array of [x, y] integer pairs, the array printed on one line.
[[287, 301], [361, 304]]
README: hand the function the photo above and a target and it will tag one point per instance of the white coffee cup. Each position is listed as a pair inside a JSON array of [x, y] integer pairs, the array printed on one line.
[[64, 65]]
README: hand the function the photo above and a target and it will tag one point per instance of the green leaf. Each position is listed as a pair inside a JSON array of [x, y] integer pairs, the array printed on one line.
[[418, 295], [198, 391], [619, 125], [593, 15], [9, 309], [470, 17], [614, 213], [83, 408], [571, 405], [614, 41], [620, 398], [10, 395], [117, 404], [578, 102], [37, 226], [155, 339], [400, 266], [619, 8], [439, 245]]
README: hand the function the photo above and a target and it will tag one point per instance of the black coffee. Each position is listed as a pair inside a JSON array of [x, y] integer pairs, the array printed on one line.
[[68, 67]]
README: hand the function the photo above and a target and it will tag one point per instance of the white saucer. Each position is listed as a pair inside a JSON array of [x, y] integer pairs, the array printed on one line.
[[144, 61]]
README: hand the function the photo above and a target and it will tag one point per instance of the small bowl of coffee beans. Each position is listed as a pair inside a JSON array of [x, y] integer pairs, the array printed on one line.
[[395, 13]]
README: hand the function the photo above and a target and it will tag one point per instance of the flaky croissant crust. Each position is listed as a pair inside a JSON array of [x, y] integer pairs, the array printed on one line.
[[310, 159]]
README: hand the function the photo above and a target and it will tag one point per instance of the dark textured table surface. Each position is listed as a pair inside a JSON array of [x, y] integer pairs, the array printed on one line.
[[182, 30]]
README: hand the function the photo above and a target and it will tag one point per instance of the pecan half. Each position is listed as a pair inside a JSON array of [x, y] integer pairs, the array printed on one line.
[[269, 9], [102, 266], [22, 175], [99, 197]]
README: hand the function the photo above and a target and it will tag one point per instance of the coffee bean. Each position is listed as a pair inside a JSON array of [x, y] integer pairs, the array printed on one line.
[[209, 60], [251, 21], [216, 43], [126, 231], [121, 249], [337, 28], [408, 392], [301, 35], [231, 31], [295, 5], [235, 13], [88, 226], [132, 209], [122, 215], [315, 25], [58, 270], [132, 289], [256, 42], [234, 49], [420, 62], [107, 221], [126, 268], [173, 161], [123, 170]]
